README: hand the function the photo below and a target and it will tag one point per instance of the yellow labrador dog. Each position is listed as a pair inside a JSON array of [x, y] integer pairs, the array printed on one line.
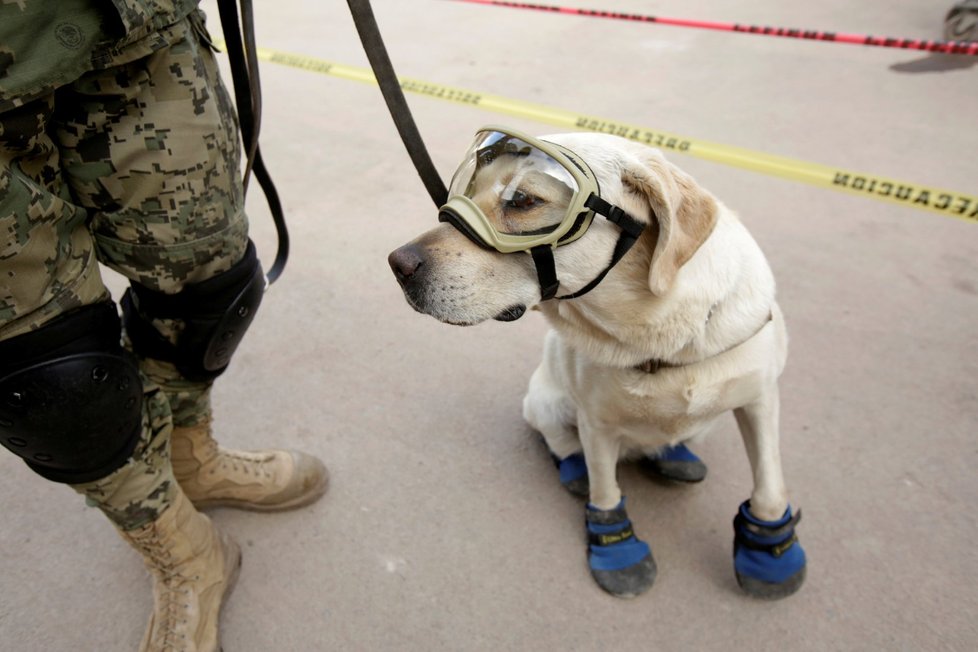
[[663, 316]]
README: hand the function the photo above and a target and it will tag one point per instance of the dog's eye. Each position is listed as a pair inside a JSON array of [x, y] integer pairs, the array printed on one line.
[[522, 201], [485, 156]]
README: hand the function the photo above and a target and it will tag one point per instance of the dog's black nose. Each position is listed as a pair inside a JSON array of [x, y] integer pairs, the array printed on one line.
[[405, 262]]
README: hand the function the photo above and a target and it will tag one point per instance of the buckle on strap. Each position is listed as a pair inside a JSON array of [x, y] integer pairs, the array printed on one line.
[[653, 365], [616, 215]]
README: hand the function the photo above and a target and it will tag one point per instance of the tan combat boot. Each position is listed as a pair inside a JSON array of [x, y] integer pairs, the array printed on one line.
[[264, 480], [194, 568]]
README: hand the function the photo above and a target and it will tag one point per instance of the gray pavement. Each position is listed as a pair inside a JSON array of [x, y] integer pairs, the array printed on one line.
[[445, 527]]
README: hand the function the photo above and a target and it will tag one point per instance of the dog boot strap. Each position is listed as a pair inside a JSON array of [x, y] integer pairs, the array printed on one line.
[[611, 540], [768, 560], [775, 537]]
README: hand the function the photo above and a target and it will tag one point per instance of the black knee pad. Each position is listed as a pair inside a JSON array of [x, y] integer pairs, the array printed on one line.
[[71, 396], [215, 315]]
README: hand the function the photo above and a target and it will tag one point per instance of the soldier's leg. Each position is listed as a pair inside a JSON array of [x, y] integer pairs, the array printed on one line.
[[169, 215], [57, 326], [73, 403]]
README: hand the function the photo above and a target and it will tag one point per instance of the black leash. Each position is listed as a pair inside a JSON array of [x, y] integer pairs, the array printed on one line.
[[243, 57], [390, 87]]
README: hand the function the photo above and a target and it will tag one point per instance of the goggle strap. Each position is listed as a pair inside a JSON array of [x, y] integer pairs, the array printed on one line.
[[631, 229], [625, 222], [625, 242], [543, 256], [543, 259]]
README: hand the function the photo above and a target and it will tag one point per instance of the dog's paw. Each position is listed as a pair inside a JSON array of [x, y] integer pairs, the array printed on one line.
[[674, 463], [768, 560], [573, 474], [620, 562]]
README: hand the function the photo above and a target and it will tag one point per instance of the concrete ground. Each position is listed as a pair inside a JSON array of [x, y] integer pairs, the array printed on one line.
[[445, 527]]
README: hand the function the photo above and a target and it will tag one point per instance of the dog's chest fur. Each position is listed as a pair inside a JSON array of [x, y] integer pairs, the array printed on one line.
[[669, 406]]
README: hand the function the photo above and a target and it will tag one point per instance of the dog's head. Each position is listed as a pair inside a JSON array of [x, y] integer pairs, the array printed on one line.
[[446, 274]]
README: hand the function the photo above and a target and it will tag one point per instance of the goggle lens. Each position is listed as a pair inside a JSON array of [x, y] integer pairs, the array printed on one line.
[[519, 188]]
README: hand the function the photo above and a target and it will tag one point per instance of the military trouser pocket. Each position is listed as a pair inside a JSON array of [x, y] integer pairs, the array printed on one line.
[[197, 20]]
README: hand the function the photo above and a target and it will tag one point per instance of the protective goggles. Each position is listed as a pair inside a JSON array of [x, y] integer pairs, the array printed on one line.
[[513, 193]]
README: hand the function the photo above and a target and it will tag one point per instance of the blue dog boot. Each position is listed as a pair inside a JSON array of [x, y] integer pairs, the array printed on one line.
[[620, 563], [768, 560], [675, 463], [573, 473]]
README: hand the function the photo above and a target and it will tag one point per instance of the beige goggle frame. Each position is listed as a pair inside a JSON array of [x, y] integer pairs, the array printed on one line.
[[464, 214]]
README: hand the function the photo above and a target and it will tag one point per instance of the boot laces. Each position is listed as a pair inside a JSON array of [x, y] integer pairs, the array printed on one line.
[[242, 462], [169, 585]]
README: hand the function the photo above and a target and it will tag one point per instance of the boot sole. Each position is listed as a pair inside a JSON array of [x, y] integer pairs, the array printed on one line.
[[768, 590], [629, 582], [230, 579], [685, 472]]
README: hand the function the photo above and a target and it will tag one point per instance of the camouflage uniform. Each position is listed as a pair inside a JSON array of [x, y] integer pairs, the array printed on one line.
[[118, 145]]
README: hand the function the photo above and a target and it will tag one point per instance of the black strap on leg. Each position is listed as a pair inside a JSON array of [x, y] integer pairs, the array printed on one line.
[[626, 533], [743, 528], [605, 516], [70, 396], [243, 57], [215, 315], [610, 517]]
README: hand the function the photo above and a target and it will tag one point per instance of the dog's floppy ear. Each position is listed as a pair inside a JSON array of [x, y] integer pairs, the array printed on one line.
[[686, 214]]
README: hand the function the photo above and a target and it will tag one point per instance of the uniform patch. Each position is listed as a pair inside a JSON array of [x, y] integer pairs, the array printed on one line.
[[69, 35]]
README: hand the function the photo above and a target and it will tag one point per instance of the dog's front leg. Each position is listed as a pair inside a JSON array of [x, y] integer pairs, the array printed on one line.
[[601, 448], [768, 561], [758, 423], [620, 562]]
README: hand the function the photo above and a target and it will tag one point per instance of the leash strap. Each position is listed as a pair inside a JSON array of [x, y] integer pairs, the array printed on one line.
[[243, 57], [390, 87]]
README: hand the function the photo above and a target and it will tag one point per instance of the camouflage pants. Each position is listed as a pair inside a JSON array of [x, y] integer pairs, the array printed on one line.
[[134, 166]]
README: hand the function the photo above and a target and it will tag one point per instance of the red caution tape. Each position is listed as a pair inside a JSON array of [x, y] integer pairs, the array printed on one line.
[[947, 47]]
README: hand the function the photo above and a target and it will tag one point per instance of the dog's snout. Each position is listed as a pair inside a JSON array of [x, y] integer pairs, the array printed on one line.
[[405, 262]]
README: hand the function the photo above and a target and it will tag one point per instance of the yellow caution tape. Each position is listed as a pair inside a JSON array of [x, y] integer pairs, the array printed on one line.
[[915, 195]]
